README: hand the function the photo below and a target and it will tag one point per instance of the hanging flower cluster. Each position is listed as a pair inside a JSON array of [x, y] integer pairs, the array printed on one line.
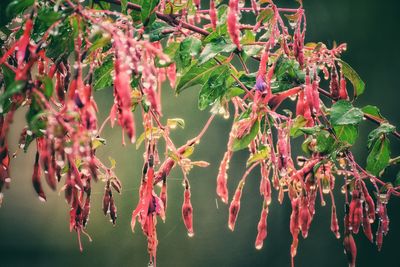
[[55, 54]]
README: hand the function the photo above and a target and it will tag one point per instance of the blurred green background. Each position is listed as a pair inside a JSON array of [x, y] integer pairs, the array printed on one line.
[[36, 234]]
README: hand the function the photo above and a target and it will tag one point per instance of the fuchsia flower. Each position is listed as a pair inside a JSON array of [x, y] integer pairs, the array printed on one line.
[[232, 22]]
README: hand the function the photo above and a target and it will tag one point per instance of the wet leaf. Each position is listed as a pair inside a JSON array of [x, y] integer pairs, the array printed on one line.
[[243, 142], [214, 88], [346, 133], [196, 74], [215, 47], [102, 74], [352, 75], [343, 113], [189, 48], [379, 156], [261, 154], [377, 133]]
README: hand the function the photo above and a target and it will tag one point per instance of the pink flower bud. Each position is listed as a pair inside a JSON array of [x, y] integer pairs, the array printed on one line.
[[343, 90], [350, 250], [262, 228], [334, 222], [232, 21], [213, 14], [222, 178], [304, 218], [187, 213], [235, 207], [37, 185], [367, 227]]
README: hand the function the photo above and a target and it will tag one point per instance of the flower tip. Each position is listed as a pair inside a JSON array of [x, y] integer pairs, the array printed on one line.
[[259, 246], [231, 227], [42, 199], [190, 234]]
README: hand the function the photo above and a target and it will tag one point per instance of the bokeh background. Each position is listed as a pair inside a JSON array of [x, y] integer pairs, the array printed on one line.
[[36, 234]]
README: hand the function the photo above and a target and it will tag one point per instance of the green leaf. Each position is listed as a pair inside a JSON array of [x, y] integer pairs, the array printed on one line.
[[48, 86], [173, 123], [265, 15], [261, 154], [378, 158], [287, 75], [100, 40], [343, 113], [346, 133], [196, 74], [124, 5], [46, 17], [157, 31], [373, 111], [102, 74], [170, 51], [214, 88], [299, 122], [8, 74], [18, 6], [352, 75], [383, 129], [188, 49], [13, 88], [61, 44], [310, 130], [250, 50], [325, 142], [147, 13], [243, 142], [248, 37], [35, 119], [215, 47]]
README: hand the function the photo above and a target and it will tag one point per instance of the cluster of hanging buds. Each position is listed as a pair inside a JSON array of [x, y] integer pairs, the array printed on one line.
[[52, 68]]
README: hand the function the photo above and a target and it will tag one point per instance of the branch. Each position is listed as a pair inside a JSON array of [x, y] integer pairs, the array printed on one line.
[[366, 116], [167, 18], [173, 22]]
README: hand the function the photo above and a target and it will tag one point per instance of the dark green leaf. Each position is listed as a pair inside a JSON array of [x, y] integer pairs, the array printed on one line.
[[310, 130], [287, 75], [188, 49], [102, 74], [298, 123], [377, 133], [8, 74], [352, 75], [48, 86], [13, 88], [250, 51], [265, 15], [17, 7], [100, 40], [243, 142], [378, 158], [124, 5], [157, 31], [325, 142], [196, 74], [61, 44], [215, 47], [343, 113], [346, 133], [214, 88], [373, 111], [147, 12]]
